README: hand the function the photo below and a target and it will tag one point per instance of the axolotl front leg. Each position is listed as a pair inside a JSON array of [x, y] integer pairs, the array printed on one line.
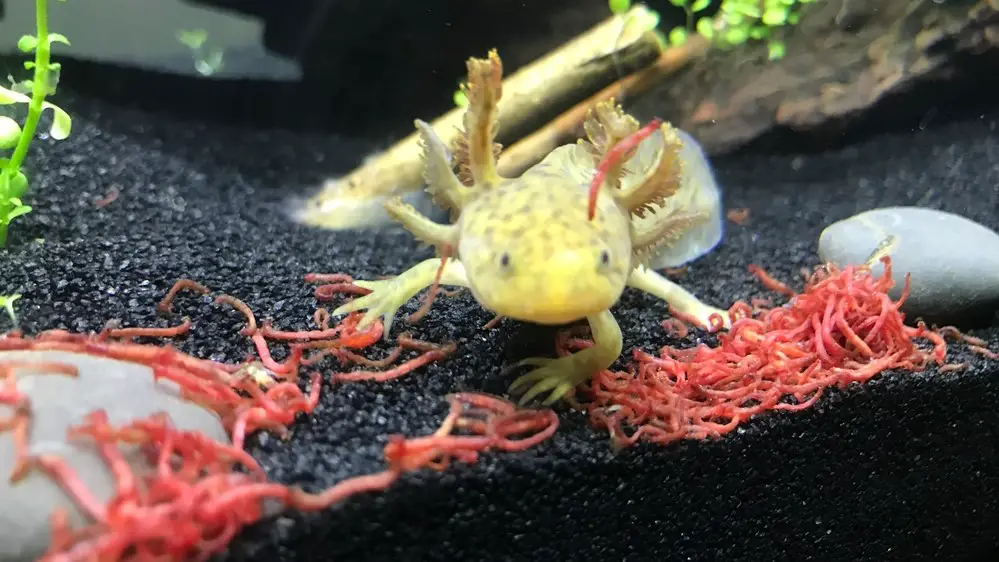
[[678, 298], [558, 376], [387, 296]]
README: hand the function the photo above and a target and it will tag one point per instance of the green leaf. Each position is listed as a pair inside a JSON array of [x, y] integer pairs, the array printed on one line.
[[7, 302], [206, 66], [793, 19], [678, 3], [18, 185], [700, 5], [58, 38], [460, 99], [10, 133], [619, 7], [677, 36], [705, 28], [759, 32], [27, 43], [733, 19], [776, 50], [193, 38], [640, 20], [62, 124], [18, 211], [775, 16], [750, 9], [8, 97], [736, 35]]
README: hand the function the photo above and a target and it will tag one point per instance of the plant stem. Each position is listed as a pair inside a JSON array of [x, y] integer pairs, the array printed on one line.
[[39, 87]]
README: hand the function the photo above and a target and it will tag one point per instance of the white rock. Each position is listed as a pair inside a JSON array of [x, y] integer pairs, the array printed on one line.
[[126, 391], [954, 261]]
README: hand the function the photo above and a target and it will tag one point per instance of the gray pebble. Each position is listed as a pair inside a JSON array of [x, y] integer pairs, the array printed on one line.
[[953, 261], [126, 391]]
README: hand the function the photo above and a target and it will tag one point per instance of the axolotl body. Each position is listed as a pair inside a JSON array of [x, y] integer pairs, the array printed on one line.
[[526, 248]]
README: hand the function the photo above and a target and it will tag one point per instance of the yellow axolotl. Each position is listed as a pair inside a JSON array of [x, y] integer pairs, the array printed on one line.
[[526, 247]]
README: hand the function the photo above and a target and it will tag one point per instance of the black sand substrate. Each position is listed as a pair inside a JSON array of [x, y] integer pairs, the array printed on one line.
[[905, 467]]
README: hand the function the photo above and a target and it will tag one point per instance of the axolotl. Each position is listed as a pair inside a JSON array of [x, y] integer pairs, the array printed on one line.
[[526, 248]]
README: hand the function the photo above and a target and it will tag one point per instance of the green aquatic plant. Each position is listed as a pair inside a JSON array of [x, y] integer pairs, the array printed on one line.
[[678, 35], [460, 97], [645, 19], [7, 303], [206, 61], [734, 23], [13, 136], [739, 21]]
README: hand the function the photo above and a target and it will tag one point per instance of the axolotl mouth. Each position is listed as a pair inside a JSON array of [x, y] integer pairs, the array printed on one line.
[[565, 290], [554, 307]]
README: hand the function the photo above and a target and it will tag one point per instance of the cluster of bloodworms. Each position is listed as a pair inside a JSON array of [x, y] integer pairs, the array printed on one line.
[[843, 328], [202, 492]]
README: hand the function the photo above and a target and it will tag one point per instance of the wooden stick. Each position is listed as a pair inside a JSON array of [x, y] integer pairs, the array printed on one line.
[[567, 127], [532, 96]]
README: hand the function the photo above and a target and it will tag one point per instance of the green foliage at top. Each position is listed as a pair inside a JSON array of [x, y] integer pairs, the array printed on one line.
[[735, 23], [739, 21], [13, 136], [460, 98], [619, 7]]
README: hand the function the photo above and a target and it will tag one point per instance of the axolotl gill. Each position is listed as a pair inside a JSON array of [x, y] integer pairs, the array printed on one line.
[[526, 248]]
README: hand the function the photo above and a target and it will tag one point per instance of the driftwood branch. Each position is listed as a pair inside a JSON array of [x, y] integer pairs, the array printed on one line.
[[568, 126], [531, 97], [846, 60]]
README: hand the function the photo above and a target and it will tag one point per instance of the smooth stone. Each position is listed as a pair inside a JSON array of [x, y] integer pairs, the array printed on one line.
[[126, 391], [953, 261]]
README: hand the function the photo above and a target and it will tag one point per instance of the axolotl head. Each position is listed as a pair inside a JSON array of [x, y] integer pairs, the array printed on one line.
[[531, 253]]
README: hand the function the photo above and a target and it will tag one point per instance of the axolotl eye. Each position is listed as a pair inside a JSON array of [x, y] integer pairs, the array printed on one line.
[[504, 260], [604, 258]]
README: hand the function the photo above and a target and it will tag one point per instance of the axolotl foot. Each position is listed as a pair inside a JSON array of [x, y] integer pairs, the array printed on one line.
[[387, 296], [385, 299], [558, 376]]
